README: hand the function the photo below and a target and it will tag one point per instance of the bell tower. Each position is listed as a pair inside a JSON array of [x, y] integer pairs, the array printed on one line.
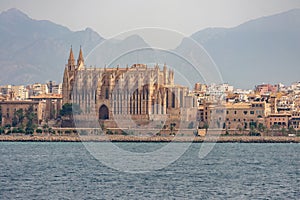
[[68, 79], [80, 60], [71, 61]]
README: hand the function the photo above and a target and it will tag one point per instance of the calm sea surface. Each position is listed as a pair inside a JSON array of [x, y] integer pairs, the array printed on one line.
[[68, 171]]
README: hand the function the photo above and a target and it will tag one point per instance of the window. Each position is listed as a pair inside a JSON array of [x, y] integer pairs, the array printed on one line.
[[173, 100], [106, 93], [252, 112], [235, 112]]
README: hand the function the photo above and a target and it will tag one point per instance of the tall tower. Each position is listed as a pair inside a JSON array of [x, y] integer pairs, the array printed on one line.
[[69, 77], [80, 60], [71, 60]]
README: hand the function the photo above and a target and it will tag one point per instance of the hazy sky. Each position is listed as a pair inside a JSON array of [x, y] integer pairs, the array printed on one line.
[[110, 17]]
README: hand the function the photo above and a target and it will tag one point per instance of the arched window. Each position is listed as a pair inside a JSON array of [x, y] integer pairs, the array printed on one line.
[[103, 112]]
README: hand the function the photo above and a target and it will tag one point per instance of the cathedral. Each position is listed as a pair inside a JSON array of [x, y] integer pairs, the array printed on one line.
[[139, 92]]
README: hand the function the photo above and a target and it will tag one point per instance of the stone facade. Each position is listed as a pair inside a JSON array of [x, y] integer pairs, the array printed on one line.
[[233, 115], [281, 120], [8, 109], [50, 106], [139, 92]]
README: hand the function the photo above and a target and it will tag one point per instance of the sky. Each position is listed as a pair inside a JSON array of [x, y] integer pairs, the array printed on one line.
[[180, 18], [111, 17]]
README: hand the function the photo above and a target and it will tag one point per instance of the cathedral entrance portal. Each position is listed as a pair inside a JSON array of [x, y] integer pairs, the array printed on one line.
[[103, 112]]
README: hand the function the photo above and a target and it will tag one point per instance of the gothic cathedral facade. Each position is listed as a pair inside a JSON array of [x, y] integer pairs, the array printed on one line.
[[138, 92]]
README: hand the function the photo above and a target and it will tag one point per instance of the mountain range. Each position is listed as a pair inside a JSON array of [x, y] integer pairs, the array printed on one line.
[[266, 49], [37, 50]]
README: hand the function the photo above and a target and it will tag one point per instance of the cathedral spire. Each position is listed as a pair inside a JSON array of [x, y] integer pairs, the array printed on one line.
[[71, 60], [80, 59]]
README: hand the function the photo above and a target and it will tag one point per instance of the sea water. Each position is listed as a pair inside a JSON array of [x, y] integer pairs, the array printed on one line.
[[30, 170]]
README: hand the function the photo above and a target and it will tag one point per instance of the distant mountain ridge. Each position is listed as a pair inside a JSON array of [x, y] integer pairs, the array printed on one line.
[[261, 50], [36, 50]]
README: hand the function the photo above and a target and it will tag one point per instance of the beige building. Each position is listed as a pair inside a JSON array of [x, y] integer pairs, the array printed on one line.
[[295, 120], [20, 92], [281, 120], [140, 93], [235, 116], [50, 105], [9, 108]]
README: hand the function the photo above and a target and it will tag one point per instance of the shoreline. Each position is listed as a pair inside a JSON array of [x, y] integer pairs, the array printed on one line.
[[121, 138]]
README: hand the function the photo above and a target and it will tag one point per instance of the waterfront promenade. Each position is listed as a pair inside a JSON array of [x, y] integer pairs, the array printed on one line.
[[122, 138]]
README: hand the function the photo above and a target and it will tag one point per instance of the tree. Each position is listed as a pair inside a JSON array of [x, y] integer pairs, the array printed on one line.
[[45, 128], [39, 130], [69, 109], [274, 127], [29, 130], [1, 130], [283, 131], [291, 130], [191, 125], [20, 115], [14, 121], [8, 128], [252, 130], [254, 124], [206, 126], [31, 118], [261, 127]]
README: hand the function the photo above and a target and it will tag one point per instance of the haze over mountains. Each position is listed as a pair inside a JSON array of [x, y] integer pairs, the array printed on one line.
[[262, 50], [37, 50]]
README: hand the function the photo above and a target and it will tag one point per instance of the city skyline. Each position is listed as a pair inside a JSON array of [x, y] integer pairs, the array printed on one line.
[[136, 99]]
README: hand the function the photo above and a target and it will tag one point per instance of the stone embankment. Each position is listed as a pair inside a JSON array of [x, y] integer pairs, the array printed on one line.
[[122, 138]]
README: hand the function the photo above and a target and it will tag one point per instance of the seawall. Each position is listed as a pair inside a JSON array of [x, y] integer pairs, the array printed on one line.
[[121, 138]]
